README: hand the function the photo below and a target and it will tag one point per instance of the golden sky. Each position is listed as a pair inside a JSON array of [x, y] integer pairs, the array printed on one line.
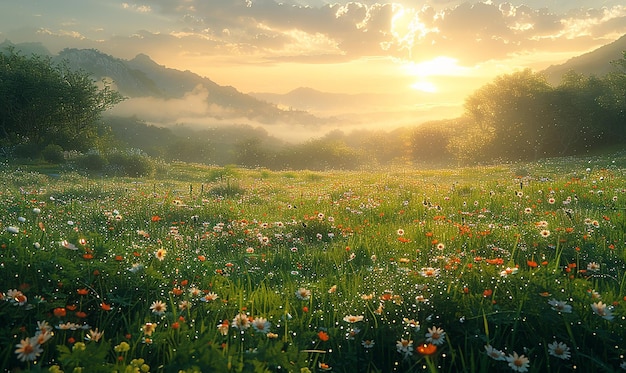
[[434, 52]]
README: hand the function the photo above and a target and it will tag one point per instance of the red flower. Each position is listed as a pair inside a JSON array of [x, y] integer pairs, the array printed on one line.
[[59, 312], [105, 307], [155, 218], [427, 349], [532, 263], [323, 336], [487, 293], [82, 291]]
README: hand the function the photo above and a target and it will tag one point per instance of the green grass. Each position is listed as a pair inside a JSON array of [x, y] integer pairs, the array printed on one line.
[[403, 250]]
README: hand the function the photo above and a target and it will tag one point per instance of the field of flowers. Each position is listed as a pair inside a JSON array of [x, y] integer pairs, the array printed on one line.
[[486, 269]]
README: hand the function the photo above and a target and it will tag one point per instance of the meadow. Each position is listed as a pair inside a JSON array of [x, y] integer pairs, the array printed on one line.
[[515, 267]]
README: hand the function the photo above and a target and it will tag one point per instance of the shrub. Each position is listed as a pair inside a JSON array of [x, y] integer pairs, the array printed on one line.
[[91, 162], [135, 165], [53, 153]]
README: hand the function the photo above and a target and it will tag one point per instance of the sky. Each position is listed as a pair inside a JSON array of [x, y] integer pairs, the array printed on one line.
[[435, 52]]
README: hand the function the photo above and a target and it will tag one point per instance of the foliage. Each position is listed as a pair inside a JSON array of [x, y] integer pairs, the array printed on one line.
[[53, 153], [47, 103]]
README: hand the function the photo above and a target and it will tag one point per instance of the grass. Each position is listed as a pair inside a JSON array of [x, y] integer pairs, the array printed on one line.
[[223, 269]]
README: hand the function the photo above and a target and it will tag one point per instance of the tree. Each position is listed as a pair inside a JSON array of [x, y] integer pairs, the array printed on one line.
[[513, 108], [43, 102]]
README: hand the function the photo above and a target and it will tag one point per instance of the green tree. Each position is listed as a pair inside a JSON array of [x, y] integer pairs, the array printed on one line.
[[513, 108], [43, 102]]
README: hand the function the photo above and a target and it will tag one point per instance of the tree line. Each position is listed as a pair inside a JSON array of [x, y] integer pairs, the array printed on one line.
[[518, 116]]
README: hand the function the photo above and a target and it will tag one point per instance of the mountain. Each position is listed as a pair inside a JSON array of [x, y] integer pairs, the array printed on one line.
[[26, 48], [141, 79], [596, 62]]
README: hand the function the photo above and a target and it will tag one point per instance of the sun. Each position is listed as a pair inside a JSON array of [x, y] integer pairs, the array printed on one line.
[[427, 72]]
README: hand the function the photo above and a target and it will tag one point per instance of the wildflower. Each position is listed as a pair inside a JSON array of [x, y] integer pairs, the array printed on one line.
[[412, 323], [271, 335], [602, 310], [13, 229], [559, 349], [122, 347], [160, 254], [544, 233], [508, 271], [352, 319], [440, 246], [68, 326], [94, 335], [17, 297], [323, 336], [519, 363], [149, 328], [332, 289], [528, 210], [427, 349], [261, 325], [158, 307], [560, 306], [435, 336], [223, 327], [367, 343], [68, 245], [494, 353], [351, 334], [324, 366], [593, 267], [28, 349], [209, 297], [405, 347], [184, 305], [429, 272], [303, 294], [241, 321]]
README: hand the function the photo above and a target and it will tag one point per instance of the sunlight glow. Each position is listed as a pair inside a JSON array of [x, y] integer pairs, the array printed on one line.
[[424, 86], [439, 66]]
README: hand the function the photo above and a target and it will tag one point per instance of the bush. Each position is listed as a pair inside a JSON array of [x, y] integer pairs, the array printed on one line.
[[91, 162], [53, 154], [134, 165]]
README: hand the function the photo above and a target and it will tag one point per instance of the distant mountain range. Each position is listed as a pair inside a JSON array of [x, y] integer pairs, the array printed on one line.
[[142, 77]]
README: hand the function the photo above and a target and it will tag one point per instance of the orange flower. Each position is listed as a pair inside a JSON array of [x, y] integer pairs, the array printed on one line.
[[59, 312], [81, 314], [82, 291], [487, 293], [323, 336], [71, 307], [427, 349], [177, 291], [119, 258], [105, 307], [155, 218], [201, 258], [175, 325], [532, 263], [87, 256]]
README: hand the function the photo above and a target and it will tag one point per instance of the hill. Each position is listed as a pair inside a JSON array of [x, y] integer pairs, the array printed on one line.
[[596, 62]]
